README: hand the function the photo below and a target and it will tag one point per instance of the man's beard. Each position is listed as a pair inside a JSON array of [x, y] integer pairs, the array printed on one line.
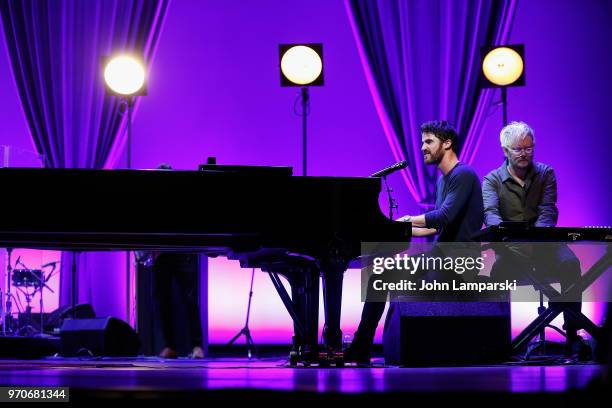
[[520, 164], [435, 157]]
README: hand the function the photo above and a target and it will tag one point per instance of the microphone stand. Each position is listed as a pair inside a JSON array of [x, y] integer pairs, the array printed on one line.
[[73, 286], [251, 349], [384, 173], [42, 285], [392, 201]]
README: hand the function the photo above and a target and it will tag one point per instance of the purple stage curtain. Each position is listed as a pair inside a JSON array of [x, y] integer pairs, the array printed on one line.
[[56, 49], [422, 62]]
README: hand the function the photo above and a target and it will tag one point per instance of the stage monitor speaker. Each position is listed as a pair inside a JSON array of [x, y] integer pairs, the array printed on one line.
[[104, 336], [421, 334]]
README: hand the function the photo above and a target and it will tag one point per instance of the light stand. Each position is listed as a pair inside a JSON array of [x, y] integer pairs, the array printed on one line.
[[302, 65], [128, 266], [251, 349], [130, 112], [504, 96], [305, 104], [503, 66]]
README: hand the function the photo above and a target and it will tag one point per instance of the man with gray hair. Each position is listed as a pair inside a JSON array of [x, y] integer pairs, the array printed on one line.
[[522, 190]]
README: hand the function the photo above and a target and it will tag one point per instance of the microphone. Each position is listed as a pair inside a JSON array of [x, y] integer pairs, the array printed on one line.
[[391, 169]]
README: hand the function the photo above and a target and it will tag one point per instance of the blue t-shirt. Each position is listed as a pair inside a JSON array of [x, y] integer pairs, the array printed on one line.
[[459, 212]]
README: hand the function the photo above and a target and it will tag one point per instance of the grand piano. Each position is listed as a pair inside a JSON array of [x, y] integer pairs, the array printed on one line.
[[300, 227]]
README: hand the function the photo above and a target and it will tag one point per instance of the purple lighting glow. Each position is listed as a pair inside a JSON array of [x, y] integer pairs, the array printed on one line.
[[213, 91]]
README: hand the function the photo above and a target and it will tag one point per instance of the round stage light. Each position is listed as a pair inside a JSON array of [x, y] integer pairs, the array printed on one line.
[[301, 65], [124, 75], [502, 66]]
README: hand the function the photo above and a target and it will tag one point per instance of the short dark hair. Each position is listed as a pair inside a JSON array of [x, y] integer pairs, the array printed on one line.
[[442, 130]]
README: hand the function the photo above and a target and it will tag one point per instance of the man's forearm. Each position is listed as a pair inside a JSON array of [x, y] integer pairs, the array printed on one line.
[[423, 232], [416, 220]]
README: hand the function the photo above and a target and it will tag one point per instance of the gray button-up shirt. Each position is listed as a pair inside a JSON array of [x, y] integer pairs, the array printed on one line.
[[535, 203]]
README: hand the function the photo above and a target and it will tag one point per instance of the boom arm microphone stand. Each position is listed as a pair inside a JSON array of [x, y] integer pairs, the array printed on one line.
[[384, 173]]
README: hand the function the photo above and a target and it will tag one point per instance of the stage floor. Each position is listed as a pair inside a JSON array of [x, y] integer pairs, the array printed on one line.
[[233, 378]]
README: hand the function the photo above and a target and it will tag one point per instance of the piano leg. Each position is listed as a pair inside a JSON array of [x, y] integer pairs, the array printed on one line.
[[332, 297], [305, 294], [303, 306]]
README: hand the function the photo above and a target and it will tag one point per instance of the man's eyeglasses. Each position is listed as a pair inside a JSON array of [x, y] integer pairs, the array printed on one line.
[[528, 150]]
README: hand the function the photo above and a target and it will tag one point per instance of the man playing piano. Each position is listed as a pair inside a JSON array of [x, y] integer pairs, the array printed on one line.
[[522, 190], [458, 214]]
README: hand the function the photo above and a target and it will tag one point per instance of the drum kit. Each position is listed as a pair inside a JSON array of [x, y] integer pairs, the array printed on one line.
[[23, 282]]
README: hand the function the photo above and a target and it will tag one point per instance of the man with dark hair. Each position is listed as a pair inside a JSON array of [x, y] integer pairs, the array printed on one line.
[[458, 214], [443, 131]]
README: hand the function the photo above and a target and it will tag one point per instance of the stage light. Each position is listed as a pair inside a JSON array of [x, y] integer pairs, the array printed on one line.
[[301, 64], [125, 75], [503, 66]]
